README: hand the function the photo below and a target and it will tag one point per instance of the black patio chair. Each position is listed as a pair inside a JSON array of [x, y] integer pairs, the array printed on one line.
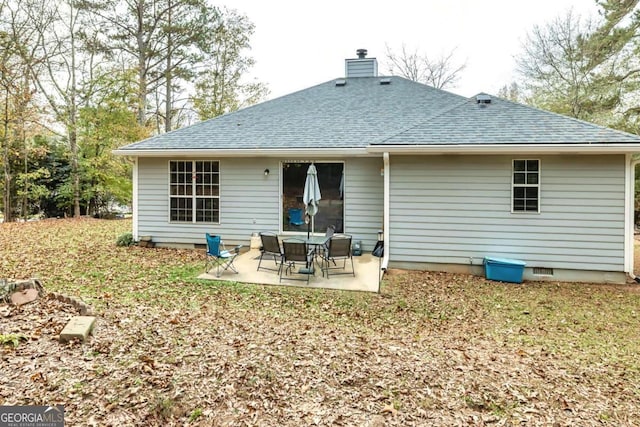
[[270, 248], [220, 258], [338, 248], [296, 251], [331, 230]]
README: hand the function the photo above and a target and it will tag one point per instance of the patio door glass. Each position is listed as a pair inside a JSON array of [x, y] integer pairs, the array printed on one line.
[[330, 212]]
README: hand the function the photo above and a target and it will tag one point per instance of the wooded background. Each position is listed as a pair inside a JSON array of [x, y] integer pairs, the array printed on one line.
[[80, 78]]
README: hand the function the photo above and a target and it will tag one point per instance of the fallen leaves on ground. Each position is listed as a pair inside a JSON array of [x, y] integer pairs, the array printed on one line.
[[431, 349]]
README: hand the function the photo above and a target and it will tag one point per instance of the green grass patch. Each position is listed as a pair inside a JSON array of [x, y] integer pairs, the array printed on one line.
[[12, 340]]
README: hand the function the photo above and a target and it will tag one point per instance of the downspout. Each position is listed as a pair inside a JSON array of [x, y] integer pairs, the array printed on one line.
[[387, 176], [134, 200], [629, 210]]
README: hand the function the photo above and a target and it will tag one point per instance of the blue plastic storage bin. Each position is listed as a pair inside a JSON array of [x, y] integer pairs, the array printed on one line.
[[503, 269]]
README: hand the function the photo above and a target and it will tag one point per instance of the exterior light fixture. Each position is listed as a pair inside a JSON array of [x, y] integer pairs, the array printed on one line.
[[266, 172]]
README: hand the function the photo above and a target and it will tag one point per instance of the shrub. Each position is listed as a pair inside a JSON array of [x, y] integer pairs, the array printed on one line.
[[125, 239], [12, 340]]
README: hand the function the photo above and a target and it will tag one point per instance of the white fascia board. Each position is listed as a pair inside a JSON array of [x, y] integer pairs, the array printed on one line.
[[434, 149], [313, 152]]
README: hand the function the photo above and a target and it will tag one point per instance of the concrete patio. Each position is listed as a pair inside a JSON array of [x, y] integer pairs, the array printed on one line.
[[366, 274]]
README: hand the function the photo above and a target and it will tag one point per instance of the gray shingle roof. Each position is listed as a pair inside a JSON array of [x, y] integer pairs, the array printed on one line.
[[322, 116], [505, 122], [363, 112]]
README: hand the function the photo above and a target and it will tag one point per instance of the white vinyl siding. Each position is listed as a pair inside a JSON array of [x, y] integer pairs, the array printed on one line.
[[363, 200], [448, 209], [250, 201]]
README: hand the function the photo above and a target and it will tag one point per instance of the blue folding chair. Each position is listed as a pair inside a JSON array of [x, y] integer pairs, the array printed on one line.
[[295, 216], [219, 257]]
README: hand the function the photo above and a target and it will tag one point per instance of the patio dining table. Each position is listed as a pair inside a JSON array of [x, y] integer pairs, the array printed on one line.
[[314, 242]]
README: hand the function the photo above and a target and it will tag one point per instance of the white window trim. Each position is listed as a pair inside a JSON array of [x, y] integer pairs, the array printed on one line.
[[538, 185], [193, 196]]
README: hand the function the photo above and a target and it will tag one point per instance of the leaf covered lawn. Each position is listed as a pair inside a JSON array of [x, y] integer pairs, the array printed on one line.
[[431, 349]]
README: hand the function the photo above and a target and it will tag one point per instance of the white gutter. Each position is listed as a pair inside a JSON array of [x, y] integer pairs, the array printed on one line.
[[427, 149], [385, 257], [252, 152], [629, 220], [433, 149]]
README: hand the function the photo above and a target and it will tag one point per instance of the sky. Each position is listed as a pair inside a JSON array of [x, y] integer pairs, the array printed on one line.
[[298, 43]]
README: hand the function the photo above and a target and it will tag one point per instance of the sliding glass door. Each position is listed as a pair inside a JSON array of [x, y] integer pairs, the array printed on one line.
[[331, 210]]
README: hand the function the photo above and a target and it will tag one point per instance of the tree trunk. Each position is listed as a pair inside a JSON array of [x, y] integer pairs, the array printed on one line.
[[168, 101], [142, 90], [7, 167], [168, 110], [20, 135], [73, 122], [142, 70], [75, 170]]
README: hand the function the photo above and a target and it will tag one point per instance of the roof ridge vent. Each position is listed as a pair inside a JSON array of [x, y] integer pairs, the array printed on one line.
[[341, 82], [483, 98], [385, 81]]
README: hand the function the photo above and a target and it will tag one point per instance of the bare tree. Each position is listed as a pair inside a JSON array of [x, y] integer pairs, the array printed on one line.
[[440, 72], [555, 70], [162, 38], [17, 99], [512, 92], [220, 87], [132, 26], [587, 69], [63, 72]]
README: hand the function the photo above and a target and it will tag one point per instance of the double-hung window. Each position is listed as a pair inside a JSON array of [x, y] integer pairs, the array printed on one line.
[[526, 186], [194, 191]]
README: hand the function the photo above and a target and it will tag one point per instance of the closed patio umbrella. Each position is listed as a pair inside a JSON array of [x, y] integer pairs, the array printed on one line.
[[311, 196]]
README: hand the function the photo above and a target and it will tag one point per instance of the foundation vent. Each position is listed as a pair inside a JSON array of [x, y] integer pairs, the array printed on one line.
[[542, 271]]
